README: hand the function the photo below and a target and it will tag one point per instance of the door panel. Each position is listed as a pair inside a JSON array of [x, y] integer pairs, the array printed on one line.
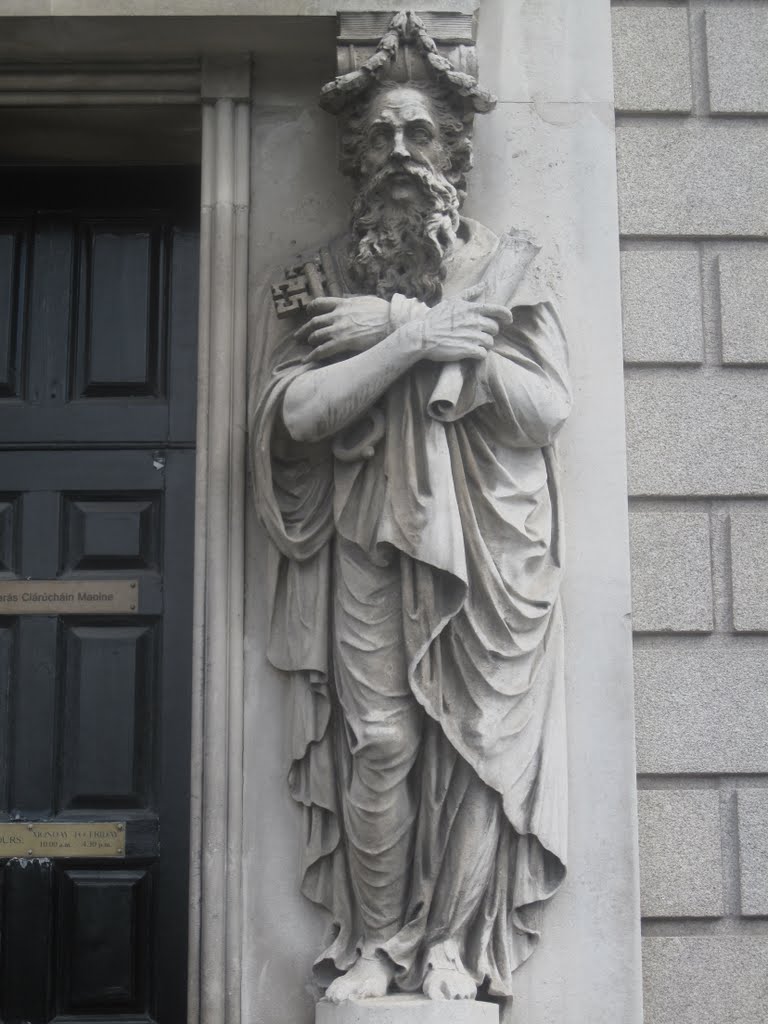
[[97, 720], [98, 309], [119, 344], [107, 713], [14, 246], [103, 966], [97, 330]]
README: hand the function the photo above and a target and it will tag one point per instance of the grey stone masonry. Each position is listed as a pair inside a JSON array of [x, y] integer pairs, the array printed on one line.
[[693, 177], [737, 44], [691, 433], [681, 865], [671, 570], [749, 567], [743, 275], [651, 57], [692, 148], [718, 979], [661, 304], [702, 705], [753, 851]]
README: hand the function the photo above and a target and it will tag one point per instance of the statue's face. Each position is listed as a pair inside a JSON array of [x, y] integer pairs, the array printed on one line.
[[402, 128]]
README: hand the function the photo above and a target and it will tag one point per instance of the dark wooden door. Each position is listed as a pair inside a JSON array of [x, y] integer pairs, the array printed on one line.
[[98, 300]]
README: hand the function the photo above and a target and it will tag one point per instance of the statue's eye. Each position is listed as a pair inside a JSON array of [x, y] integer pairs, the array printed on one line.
[[378, 139], [420, 136]]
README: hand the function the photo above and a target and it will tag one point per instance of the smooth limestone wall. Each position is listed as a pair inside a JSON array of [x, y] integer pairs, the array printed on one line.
[[545, 161], [692, 129]]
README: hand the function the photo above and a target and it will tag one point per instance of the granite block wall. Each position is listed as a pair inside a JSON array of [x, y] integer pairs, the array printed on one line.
[[691, 85]]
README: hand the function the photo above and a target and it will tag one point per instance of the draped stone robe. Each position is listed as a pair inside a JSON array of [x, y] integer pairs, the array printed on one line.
[[467, 505]]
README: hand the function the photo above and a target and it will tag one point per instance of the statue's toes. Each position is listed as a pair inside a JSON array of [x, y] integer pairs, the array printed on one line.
[[442, 984], [373, 988], [368, 979], [338, 990], [465, 989], [435, 986]]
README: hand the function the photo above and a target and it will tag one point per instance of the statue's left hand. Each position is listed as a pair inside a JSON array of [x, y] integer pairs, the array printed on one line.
[[345, 326]]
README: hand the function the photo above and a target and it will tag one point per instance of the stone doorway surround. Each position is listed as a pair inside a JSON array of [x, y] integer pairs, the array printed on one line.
[[135, 65], [115, 97]]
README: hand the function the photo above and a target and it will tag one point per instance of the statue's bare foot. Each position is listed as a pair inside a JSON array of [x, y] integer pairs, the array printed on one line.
[[447, 977], [448, 983], [368, 978]]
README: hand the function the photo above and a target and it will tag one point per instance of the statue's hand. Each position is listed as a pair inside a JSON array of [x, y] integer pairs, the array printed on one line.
[[345, 326], [461, 329]]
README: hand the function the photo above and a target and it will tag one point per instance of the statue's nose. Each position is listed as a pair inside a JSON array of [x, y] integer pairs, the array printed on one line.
[[399, 149]]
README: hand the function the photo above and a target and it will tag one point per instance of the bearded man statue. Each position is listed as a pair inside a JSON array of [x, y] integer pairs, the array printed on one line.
[[416, 557]]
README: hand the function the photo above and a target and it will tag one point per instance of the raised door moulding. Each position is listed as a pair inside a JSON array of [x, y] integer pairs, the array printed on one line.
[[217, 740], [101, 84]]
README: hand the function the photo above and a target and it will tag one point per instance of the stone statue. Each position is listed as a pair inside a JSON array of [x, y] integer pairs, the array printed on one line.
[[402, 457]]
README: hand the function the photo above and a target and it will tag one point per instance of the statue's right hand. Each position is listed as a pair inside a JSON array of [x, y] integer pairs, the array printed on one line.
[[460, 329]]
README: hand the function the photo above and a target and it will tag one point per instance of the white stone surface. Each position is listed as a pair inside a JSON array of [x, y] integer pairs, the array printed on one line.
[[546, 166], [681, 864], [196, 8], [533, 53], [671, 570], [216, 799], [753, 851], [651, 59], [718, 979], [737, 42], [701, 704], [661, 305], [749, 572], [406, 1010], [300, 202], [743, 274], [694, 433], [693, 176]]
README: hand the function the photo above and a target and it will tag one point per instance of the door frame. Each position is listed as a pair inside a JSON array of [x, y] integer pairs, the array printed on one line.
[[221, 86]]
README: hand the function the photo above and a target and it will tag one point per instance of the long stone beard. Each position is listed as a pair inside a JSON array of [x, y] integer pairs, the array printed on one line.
[[402, 246]]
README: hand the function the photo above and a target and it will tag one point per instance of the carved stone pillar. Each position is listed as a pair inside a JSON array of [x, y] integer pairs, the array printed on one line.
[[545, 165], [217, 758]]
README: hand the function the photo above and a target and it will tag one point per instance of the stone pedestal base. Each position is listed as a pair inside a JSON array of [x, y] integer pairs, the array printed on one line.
[[407, 1009]]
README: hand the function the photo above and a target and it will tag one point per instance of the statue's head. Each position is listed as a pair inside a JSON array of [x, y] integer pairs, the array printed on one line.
[[406, 140], [410, 123]]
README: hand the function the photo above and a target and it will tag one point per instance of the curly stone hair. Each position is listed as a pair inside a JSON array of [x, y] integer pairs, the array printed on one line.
[[455, 95]]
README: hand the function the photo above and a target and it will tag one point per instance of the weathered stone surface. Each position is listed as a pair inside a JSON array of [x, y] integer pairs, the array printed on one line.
[[407, 1010], [385, 861], [693, 177], [671, 570], [749, 579], [681, 865], [651, 59], [661, 305], [32, 9], [525, 72], [737, 42], [718, 979], [694, 433], [702, 704], [132, 8], [753, 851], [743, 274], [562, 188]]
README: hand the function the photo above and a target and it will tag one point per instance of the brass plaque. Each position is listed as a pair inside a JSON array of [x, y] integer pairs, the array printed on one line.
[[62, 839], [69, 597]]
